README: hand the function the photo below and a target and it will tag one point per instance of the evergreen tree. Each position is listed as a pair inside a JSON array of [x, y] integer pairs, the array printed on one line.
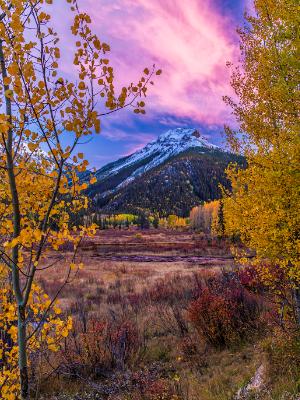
[[155, 222], [144, 222]]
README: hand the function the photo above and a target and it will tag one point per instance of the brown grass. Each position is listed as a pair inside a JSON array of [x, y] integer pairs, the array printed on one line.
[[157, 254], [150, 290]]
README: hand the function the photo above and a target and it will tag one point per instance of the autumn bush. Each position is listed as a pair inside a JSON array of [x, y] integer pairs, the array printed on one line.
[[85, 354], [122, 341], [225, 313], [271, 282], [99, 345]]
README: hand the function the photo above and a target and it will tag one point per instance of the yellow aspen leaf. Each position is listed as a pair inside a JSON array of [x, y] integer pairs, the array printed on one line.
[[32, 146], [105, 47], [80, 266], [73, 266], [7, 80], [97, 125]]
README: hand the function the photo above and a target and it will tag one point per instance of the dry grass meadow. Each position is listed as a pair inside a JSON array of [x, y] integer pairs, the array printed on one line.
[[134, 335]]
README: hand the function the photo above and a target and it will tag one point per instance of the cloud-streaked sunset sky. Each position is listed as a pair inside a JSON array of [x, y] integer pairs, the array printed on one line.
[[191, 41]]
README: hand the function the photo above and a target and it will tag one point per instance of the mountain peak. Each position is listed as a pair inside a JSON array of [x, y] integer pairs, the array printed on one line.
[[169, 144], [189, 136], [170, 175]]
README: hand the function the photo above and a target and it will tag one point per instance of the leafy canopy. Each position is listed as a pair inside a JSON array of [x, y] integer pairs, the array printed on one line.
[[264, 205]]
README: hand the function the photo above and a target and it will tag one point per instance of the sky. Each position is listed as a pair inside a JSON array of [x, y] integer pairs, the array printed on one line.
[[190, 40]]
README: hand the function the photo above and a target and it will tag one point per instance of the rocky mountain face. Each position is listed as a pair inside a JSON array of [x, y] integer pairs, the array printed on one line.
[[172, 174]]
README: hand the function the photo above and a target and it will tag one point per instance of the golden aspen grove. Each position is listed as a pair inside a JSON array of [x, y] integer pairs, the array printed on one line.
[[264, 205]]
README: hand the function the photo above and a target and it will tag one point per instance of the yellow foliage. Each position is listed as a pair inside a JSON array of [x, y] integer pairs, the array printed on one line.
[[176, 222], [173, 221], [206, 217], [45, 332], [264, 206]]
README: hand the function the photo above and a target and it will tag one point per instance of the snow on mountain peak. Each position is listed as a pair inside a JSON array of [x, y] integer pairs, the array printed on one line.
[[190, 136], [168, 144]]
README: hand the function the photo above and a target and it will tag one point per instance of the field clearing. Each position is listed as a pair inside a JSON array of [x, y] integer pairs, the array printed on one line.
[[134, 258]]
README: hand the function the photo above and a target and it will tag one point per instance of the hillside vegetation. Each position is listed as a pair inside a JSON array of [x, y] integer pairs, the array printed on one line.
[[180, 183]]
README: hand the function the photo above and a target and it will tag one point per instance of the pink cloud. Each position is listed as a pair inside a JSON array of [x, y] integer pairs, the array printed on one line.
[[189, 40]]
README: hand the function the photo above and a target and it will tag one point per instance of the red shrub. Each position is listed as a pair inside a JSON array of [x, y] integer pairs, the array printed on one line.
[[122, 341], [99, 346], [225, 312], [211, 317], [85, 353]]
